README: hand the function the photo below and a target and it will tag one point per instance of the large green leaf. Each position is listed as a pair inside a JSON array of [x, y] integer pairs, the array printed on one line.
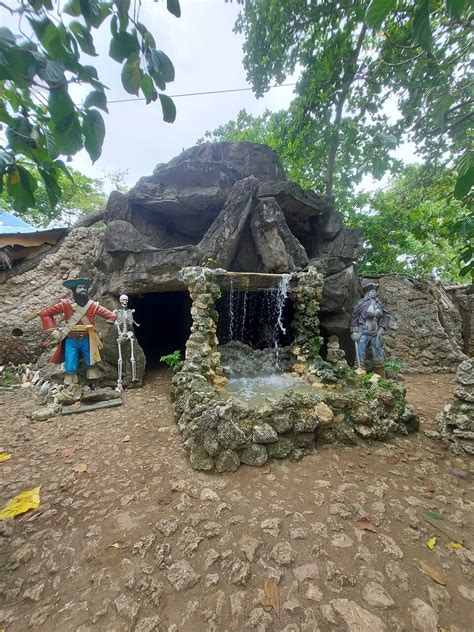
[[173, 7], [377, 11], [53, 190], [53, 72], [454, 8], [165, 64], [421, 25], [60, 104], [83, 37], [21, 186], [93, 129], [67, 135], [131, 74], [168, 107], [96, 99], [122, 45], [148, 88], [465, 179]]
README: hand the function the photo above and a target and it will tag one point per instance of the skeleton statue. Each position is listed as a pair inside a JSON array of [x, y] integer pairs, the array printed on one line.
[[124, 324]]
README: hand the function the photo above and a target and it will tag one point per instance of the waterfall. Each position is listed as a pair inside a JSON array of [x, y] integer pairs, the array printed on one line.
[[231, 309]]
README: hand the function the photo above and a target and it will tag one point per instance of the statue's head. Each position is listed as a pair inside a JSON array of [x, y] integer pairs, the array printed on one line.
[[370, 290], [80, 289], [123, 299]]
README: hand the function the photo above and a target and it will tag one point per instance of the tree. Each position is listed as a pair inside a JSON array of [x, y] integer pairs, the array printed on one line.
[[354, 57], [408, 228], [81, 195], [37, 66]]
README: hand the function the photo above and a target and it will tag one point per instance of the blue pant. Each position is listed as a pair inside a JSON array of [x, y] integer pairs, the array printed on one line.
[[72, 347], [376, 344]]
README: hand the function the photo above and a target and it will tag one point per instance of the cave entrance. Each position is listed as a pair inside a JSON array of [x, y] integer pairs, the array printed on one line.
[[165, 323]]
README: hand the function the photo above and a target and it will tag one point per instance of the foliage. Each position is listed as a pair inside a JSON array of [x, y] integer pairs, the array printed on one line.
[[356, 61], [172, 359], [81, 195], [409, 228], [394, 367], [37, 67]]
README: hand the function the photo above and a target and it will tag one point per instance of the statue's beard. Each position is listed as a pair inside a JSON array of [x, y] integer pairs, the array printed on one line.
[[81, 298]]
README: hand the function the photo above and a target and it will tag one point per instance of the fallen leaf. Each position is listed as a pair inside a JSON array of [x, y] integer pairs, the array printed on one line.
[[79, 467], [66, 453], [454, 545], [431, 543], [273, 594], [413, 458], [435, 515], [265, 602], [364, 523], [115, 545], [433, 572], [126, 438], [431, 487], [4, 456], [21, 503]]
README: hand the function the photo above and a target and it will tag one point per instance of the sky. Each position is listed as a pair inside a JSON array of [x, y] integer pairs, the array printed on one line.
[[207, 56]]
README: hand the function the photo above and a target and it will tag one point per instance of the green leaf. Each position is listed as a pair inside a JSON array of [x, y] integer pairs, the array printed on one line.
[[73, 7], [96, 99], [6, 36], [165, 64], [131, 74], [93, 129], [83, 37], [421, 25], [123, 7], [122, 45], [6, 158], [173, 7], [435, 515], [168, 107], [67, 135], [53, 72], [148, 88], [53, 190], [465, 179], [377, 11], [60, 104], [454, 8], [21, 186]]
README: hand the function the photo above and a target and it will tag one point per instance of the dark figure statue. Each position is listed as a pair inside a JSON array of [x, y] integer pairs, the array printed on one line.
[[370, 321]]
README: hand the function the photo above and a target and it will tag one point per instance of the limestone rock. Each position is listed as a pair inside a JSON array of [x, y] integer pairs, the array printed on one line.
[[255, 455], [375, 595], [182, 576], [423, 617], [227, 461], [264, 434], [357, 618]]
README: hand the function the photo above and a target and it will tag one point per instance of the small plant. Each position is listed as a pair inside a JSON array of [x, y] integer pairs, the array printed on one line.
[[172, 359], [209, 263], [394, 367]]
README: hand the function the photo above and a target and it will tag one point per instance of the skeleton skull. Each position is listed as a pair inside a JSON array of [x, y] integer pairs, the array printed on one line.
[[123, 300]]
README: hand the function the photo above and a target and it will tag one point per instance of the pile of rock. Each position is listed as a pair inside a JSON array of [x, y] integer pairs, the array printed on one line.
[[456, 422]]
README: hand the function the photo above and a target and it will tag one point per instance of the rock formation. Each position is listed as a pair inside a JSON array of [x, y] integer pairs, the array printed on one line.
[[456, 422]]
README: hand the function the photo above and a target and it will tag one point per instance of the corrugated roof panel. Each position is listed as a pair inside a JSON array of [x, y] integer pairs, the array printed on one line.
[[10, 224]]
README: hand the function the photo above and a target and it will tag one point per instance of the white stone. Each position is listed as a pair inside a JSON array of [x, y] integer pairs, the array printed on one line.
[[283, 553], [313, 593], [342, 540], [423, 617], [272, 526], [307, 571], [182, 576], [357, 618], [209, 495], [375, 595]]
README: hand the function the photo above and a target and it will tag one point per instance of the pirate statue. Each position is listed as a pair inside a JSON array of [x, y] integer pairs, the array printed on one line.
[[124, 324], [78, 335], [370, 321]]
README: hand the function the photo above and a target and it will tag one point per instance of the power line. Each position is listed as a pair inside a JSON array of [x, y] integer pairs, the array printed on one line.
[[197, 94]]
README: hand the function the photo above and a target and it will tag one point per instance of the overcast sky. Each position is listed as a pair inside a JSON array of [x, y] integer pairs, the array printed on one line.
[[207, 56]]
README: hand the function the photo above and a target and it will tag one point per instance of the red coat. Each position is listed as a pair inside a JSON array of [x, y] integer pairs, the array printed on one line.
[[64, 307]]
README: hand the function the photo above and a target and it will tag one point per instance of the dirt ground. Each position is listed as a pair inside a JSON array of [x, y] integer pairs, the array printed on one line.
[[129, 537]]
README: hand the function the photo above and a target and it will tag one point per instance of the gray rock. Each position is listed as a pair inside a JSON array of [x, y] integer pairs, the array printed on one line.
[[283, 553], [200, 459], [306, 571], [356, 618], [423, 617], [255, 455], [182, 576], [264, 434], [282, 449], [127, 608], [227, 461], [375, 595]]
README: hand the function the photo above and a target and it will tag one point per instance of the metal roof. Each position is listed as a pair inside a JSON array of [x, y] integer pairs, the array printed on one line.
[[9, 224]]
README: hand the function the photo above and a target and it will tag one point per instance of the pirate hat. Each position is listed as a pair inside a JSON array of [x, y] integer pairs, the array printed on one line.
[[370, 286], [73, 283]]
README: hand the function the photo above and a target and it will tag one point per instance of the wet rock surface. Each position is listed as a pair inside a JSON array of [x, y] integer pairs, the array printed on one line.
[[140, 541]]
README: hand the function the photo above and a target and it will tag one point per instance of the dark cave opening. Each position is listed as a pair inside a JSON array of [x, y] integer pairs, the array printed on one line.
[[165, 323], [252, 318]]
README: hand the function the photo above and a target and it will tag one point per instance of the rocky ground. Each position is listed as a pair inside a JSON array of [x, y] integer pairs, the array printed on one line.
[[129, 537]]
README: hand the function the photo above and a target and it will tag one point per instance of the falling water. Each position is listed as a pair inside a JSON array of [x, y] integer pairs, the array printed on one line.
[[281, 296], [231, 309]]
